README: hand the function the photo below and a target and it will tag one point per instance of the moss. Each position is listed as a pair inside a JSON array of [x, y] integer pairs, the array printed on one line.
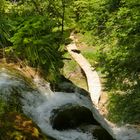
[[17, 126], [13, 70]]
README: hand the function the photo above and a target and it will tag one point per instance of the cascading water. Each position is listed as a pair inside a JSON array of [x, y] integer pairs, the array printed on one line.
[[41, 112], [39, 103], [40, 108]]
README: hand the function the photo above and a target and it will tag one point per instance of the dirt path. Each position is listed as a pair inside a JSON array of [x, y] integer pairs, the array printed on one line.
[[93, 81]]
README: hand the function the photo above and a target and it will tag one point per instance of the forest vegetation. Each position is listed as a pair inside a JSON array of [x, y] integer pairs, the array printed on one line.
[[36, 32]]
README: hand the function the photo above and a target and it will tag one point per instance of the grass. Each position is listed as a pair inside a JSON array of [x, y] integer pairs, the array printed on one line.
[[90, 55], [72, 71], [124, 107]]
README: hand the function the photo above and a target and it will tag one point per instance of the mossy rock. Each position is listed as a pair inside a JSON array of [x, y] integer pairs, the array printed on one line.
[[16, 126], [71, 116], [102, 134], [65, 85]]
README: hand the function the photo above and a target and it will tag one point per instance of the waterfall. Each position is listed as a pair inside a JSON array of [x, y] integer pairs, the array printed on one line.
[[41, 107], [39, 101]]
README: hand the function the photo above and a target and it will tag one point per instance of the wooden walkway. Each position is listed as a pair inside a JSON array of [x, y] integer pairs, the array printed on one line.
[[93, 81]]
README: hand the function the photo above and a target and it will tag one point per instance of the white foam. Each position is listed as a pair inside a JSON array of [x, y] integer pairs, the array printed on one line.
[[126, 133], [40, 105], [41, 112]]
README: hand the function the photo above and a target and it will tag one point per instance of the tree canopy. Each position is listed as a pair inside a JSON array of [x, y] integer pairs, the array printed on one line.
[[32, 31], [114, 26]]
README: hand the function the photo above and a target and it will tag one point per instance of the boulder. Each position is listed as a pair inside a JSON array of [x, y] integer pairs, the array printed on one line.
[[71, 116]]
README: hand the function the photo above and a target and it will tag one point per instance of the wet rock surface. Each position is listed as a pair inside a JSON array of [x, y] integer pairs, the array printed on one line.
[[97, 131], [102, 134], [77, 117], [71, 116], [65, 85]]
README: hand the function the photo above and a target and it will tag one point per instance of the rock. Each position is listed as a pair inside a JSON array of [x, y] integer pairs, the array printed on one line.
[[76, 51], [65, 85], [102, 134], [71, 116], [97, 131]]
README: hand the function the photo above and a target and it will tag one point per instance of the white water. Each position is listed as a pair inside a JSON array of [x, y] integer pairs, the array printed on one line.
[[39, 106], [126, 133], [59, 99], [6, 82], [4, 79], [40, 111]]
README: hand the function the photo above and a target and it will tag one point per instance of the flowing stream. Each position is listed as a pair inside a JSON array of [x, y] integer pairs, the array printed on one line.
[[38, 102]]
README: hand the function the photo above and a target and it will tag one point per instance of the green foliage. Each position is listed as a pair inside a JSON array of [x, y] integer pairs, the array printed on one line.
[[36, 42], [35, 33], [124, 107], [114, 26], [120, 53], [4, 25]]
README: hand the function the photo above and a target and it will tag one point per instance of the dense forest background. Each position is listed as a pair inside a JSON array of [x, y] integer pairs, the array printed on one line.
[[36, 32]]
